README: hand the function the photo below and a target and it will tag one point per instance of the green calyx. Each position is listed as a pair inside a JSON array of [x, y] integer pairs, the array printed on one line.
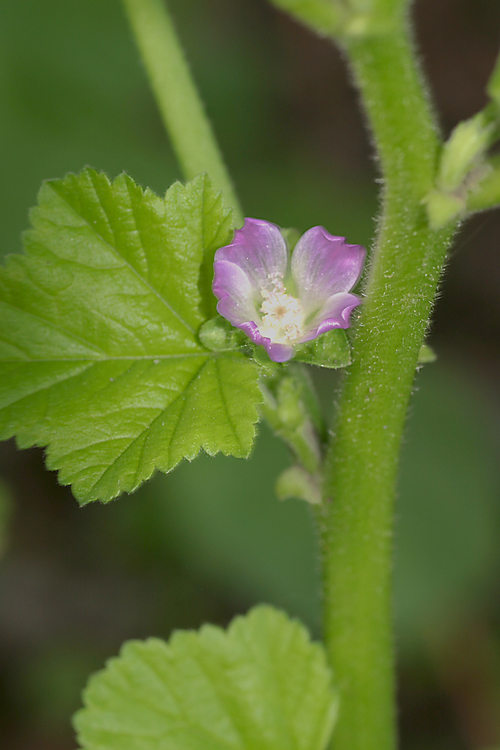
[[217, 334], [291, 410], [463, 181], [330, 350]]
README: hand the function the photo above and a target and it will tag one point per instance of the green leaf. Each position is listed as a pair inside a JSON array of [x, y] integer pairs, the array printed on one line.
[[215, 230], [99, 357], [331, 350], [262, 685]]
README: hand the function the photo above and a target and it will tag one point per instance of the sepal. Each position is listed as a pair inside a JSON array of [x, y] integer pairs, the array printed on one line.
[[331, 350], [217, 334]]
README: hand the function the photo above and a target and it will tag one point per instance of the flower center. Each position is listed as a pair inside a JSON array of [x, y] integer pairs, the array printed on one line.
[[282, 314]]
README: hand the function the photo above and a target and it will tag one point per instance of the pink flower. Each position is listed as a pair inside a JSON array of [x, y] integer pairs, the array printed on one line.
[[279, 301]]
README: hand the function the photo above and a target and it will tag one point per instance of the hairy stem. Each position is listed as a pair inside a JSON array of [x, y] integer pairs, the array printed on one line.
[[362, 459], [178, 100]]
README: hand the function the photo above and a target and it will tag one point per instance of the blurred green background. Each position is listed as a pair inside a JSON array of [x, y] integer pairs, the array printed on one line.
[[210, 540]]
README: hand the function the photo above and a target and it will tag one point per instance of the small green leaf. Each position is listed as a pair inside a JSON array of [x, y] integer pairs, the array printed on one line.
[[215, 230], [331, 350], [99, 357], [262, 685]]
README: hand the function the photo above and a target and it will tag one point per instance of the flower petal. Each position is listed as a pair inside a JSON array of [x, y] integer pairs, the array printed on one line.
[[276, 352], [324, 269], [258, 249], [334, 313], [235, 292], [324, 265]]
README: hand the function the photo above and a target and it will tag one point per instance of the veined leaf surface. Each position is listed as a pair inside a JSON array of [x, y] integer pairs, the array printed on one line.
[[262, 685], [99, 357]]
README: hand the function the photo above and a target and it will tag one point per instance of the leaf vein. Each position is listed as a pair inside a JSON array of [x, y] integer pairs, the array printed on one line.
[[190, 724], [225, 405], [123, 260], [160, 414], [53, 325]]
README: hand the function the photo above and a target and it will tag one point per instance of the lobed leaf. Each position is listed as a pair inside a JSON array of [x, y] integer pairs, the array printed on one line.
[[262, 685], [99, 355]]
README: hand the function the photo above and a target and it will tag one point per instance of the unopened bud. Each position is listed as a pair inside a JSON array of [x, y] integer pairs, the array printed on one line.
[[216, 334], [464, 149]]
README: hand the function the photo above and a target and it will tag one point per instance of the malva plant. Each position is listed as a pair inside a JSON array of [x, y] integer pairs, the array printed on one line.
[[138, 330]]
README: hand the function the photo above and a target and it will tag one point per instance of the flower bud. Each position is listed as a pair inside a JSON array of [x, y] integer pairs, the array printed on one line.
[[465, 147], [216, 334]]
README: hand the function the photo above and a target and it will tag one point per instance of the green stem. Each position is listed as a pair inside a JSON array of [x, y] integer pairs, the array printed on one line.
[[362, 459], [180, 105]]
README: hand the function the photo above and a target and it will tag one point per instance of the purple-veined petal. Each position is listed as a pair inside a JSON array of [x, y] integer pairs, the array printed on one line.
[[324, 265], [259, 249], [334, 313], [235, 293]]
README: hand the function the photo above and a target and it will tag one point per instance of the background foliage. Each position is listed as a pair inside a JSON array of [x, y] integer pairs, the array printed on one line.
[[210, 539]]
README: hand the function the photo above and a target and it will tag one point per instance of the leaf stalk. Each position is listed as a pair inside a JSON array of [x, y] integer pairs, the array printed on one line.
[[178, 100]]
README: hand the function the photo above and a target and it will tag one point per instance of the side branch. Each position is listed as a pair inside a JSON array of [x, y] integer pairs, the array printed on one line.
[[180, 105]]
